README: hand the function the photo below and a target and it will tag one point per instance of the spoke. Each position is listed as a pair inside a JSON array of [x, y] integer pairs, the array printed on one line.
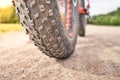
[[66, 11], [69, 15]]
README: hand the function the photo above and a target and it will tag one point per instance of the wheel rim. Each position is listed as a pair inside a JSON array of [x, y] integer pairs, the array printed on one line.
[[67, 17]]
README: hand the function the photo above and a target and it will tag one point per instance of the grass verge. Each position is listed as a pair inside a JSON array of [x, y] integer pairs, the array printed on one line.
[[10, 28]]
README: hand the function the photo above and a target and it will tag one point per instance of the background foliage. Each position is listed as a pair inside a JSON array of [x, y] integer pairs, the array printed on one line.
[[8, 18], [8, 15], [112, 18]]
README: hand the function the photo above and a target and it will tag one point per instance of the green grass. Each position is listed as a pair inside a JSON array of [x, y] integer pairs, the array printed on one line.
[[10, 28], [112, 18]]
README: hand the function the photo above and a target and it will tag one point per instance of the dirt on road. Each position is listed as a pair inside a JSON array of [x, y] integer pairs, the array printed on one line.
[[96, 57]]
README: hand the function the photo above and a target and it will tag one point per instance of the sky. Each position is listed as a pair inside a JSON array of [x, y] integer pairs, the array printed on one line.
[[97, 6], [4, 3], [103, 6]]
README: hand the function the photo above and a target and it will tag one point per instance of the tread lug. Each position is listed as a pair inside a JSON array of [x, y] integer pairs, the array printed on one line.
[[48, 1], [42, 8], [33, 3]]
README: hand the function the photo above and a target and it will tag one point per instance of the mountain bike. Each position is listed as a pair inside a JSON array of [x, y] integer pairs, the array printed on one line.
[[53, 25]]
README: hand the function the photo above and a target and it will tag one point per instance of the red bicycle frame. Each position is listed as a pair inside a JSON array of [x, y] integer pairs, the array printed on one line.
[[82, 10]]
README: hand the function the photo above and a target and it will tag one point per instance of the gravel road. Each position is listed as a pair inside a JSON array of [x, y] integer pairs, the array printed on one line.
[[96, 57]]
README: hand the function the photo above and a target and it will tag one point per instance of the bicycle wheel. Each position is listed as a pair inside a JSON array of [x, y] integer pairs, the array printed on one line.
[[82, 20], [51, 25]]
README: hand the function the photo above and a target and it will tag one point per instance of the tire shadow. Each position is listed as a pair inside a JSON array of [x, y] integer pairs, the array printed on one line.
[[86, 59]]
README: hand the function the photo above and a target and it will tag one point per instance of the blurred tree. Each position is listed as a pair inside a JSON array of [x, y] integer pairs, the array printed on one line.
[[8, 15], [112, 18]]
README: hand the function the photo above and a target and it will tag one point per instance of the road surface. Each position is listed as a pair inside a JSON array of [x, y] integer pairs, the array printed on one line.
[[96, 57]]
